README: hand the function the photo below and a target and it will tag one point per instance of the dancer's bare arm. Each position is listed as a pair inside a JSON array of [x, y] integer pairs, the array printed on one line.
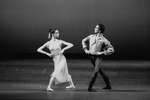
[[40, 50]]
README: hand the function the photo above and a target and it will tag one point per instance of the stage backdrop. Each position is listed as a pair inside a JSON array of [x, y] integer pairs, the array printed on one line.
[[24, 24]]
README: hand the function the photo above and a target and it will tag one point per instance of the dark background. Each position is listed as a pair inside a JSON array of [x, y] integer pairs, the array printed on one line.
[[24, 26]]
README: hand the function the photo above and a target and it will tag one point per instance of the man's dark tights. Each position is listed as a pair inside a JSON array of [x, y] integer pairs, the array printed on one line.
[[96, 61]]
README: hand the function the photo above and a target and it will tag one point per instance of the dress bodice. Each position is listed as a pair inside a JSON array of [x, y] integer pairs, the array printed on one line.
[[55, 47]]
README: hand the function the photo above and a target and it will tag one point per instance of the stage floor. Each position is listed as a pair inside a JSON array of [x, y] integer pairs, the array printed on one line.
[[28, 79]]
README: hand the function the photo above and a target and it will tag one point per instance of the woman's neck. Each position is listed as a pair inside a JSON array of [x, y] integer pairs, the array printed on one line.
[[53, 39]]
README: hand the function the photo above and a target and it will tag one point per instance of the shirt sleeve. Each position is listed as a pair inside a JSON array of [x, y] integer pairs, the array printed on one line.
[[109, 48], [84, 42]]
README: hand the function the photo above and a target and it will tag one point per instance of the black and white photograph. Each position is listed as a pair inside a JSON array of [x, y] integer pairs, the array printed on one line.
[[74, 50]]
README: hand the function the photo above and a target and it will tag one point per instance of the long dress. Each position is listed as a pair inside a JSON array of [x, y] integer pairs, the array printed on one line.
[[60, 74]]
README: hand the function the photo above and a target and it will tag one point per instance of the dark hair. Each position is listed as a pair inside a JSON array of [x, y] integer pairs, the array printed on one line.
[[51, 31], [101, 27]]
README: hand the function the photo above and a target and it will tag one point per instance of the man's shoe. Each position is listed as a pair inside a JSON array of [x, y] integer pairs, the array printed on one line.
[[91, 90], [107, 87]]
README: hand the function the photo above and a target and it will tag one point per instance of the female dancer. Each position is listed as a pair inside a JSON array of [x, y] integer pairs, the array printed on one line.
[[60, 74]]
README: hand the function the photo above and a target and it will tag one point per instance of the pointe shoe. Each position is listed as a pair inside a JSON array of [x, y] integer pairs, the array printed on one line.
[[50, 89], [70, 87]]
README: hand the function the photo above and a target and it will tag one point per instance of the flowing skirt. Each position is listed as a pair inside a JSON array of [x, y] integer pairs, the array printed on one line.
[[60, 74]]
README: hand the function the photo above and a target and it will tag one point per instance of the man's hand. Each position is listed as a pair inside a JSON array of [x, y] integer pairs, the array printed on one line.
[[93, 53], [105, 52], [100, 53], [87, 51], [97, 53]]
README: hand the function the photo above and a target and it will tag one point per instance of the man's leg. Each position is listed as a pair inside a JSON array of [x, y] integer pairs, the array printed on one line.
[[93, 79], [95, 61], [106, 79]]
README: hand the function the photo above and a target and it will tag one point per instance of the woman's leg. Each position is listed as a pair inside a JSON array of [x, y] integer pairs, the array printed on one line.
[[50, 84], [71, 84]]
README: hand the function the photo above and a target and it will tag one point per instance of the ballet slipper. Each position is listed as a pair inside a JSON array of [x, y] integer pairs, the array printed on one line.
[[50, 89], [70, 87]]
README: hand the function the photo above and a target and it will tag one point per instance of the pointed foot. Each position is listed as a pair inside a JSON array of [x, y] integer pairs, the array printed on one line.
[[70, 87], [50, 89]]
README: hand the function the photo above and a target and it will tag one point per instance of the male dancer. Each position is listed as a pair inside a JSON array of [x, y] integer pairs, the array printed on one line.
[[96, 45]]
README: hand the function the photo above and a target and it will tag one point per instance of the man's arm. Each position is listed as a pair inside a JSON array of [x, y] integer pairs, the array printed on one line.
[[84, 44], [109, 48]]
